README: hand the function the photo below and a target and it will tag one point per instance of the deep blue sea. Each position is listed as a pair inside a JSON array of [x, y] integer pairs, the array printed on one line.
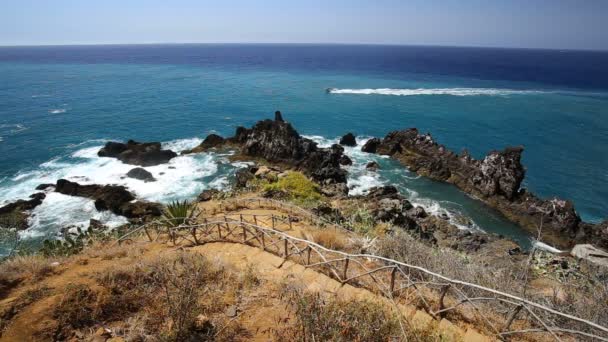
[[58, 105]]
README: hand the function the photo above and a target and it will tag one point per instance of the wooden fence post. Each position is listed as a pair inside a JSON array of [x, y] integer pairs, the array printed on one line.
[[219, 230], [272, 218], [444, 291], [289, 216], [393, 276], [344, 276], [255, 219], [244, 234], [147, 233], [263, 242], [286, 249], [511, 318], [308, 255]]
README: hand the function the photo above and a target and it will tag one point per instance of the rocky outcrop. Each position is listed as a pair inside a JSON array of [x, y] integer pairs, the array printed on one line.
[[278, 142], [372, 166], [211, 141], [15, 214], [348, 140], [371, 146], [345, 160], [207, 195], [141, 174], [242, 177], [496, 180], [135, 153], [114, 198]]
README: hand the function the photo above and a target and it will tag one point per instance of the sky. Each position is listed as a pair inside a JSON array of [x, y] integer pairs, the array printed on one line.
[[557, 24]]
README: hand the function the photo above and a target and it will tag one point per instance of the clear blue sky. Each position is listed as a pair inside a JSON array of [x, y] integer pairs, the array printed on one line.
[[562, 24]]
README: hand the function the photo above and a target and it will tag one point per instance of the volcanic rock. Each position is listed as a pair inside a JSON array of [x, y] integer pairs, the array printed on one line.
[[114, 198], [345, 160], [371, 145], [243, 176], [15, 214], [372, 166], [496, 180], [348, 140], [141, 174], [135, 153], [211, 141], [207, 195], [278, 142]]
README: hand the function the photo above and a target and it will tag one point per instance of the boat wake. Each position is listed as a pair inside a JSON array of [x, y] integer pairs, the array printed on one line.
[[437, 91]]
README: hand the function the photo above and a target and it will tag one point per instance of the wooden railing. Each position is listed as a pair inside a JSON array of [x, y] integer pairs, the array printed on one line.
[[499, 313]]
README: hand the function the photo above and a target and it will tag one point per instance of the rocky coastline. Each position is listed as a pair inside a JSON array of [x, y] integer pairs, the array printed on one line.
[[495, 180]]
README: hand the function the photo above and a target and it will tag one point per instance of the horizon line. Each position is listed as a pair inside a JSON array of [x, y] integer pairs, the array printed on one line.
[[308, 43]]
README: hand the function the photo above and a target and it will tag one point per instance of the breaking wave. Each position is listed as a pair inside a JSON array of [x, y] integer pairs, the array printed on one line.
[[437, 91], [184, 177]]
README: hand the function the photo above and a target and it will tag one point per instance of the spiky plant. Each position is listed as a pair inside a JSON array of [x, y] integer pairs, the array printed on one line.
[[179, 212]]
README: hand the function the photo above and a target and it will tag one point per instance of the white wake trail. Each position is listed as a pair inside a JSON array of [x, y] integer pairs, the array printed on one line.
[[436, 91]]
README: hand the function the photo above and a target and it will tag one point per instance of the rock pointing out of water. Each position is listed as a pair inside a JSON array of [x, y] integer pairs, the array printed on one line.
[[278, 142], [114, 198], [496, 180], [141, 174], [15, 214], [348, 140], [211, 141], [135, 153]]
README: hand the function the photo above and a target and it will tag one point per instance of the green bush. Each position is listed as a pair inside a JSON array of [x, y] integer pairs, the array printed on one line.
[[179, 212], [297, 186]]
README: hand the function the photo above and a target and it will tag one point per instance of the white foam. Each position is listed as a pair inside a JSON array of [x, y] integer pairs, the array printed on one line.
[[437, 91], [58, 111], [59, 211], [360, 180], [184, 177]]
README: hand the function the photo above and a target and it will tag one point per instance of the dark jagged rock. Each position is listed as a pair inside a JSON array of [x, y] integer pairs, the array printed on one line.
[[496, 180], [372, 166], [243, 176], [207, 195], [348, 140], [278, 142], [211, 141], [15, 214], [278, 116], [141, 174], [141, 209], [23, 205], [329, 213], [371, 145], [345, 160], [135, 153], [114, 198], [43, 187], [388, 205]]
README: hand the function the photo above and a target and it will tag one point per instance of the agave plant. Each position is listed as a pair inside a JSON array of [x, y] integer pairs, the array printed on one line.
[[179, 212]]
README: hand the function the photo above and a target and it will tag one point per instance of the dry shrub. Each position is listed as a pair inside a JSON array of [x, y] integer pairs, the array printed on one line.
[[329, 239], [329, 319], [585, 298], [117, 251], [164, 297], [76, 309], [19, 268]]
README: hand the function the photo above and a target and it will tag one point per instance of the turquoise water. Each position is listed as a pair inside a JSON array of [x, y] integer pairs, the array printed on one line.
[[58, 105]]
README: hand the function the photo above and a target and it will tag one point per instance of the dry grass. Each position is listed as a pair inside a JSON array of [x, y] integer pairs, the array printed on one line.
[[585, 298], [172, 298], [319, 318], [30, 268], [330, 239]]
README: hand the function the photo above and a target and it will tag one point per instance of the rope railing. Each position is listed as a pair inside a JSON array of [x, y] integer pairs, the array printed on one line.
[[501, 314]]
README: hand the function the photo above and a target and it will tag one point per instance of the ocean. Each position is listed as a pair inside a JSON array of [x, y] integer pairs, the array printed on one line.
[[58, 105]]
